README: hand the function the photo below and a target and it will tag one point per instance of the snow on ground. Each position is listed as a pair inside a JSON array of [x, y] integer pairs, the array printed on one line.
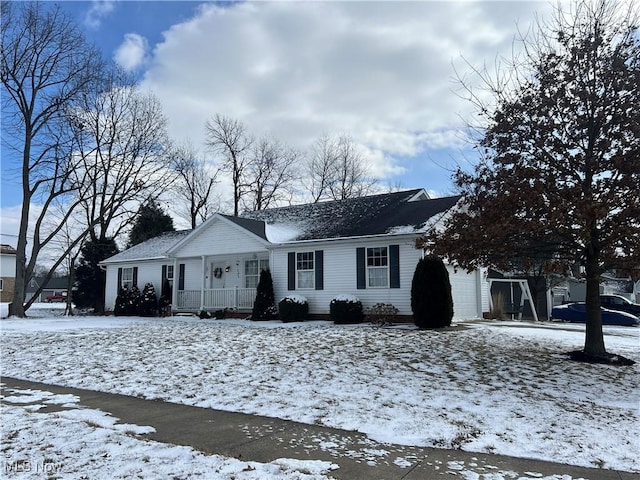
[[498, 387], [90, 443]]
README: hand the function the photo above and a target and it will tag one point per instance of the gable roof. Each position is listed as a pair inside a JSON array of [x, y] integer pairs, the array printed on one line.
[[406, 212], [391, 213], [256, 227], [152, 249], [54, 283], [7, 249]]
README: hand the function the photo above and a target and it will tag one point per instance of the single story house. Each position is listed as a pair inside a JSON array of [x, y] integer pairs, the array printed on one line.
[[55, 290], [363, 247]]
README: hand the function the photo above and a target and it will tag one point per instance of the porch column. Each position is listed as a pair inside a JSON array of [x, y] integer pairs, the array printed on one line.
[[202, 283], [174, 287]]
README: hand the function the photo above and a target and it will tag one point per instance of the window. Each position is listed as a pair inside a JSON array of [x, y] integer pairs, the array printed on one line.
[[377, 267], [305, 270], [127, 277], [1, 284], [252, 269], [169, 272]]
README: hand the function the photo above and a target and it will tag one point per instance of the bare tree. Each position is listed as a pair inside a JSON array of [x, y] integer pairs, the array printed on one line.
[[195, 183], [270, 173], [46, 66], [337, 169], [122, 143], [228, 137]]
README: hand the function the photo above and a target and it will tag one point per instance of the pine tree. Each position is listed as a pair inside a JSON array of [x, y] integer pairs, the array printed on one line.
[[88, 289], [431, 299], [150, 222], [149, 302], [264, 307], [122, 301]]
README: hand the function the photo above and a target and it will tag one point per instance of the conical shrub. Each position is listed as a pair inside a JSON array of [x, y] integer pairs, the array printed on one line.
[[431, 299]]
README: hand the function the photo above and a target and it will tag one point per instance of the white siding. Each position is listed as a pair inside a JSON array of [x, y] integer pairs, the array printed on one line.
[[7, 266], [469, 294], [148, 272], [220, 237], [340, 275]]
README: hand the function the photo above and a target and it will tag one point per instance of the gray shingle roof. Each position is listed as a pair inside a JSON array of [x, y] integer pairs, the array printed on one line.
[[372, 215], [153, 248], [389, 213]]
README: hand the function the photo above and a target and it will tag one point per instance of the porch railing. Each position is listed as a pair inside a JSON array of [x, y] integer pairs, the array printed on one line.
[[216, 298]]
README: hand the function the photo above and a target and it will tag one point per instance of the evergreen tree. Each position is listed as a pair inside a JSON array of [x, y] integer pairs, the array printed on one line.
[[150, 222], [149, 302], [264, 307], [431, 299], [134, 300], [164, 304], [122, 301], [88, 289]]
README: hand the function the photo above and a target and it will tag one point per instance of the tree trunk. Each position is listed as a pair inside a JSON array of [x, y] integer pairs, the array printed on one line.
[[594, 339]]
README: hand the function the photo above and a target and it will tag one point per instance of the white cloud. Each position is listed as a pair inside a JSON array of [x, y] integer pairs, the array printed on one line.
[[380, 71], [132, 52], [99, 9]]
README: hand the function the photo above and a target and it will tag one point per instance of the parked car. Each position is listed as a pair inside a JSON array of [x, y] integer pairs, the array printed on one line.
[[618, 302], [58, 297], [577, 313]]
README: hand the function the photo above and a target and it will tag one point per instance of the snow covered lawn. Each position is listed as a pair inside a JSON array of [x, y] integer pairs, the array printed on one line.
[[500, 387]]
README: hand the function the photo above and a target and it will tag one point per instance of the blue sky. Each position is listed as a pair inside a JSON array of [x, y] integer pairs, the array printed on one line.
[[381, 72]]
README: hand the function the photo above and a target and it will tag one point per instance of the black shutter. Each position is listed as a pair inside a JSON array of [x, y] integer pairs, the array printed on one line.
[[319, 260], [135, 276], [361, 277], [162, 280], [119, 279], [291, 271], [181, 277], [394, 266]]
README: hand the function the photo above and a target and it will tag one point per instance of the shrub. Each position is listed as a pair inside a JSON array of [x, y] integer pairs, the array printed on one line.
[[431, 300], [122, 299], [382, 314], [293, 308], [148, 302], [346, 309], [164, 304], [127, 301], [203, 315], [264, 307]]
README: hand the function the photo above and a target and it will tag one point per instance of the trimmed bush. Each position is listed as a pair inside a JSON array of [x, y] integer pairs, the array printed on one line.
[[122, 299], [382, 314], [149, 302], [346, 309], [164, 304], [293, 308], [264, 307], [203, 315], [431, 299], [220, 314], [127, 301]]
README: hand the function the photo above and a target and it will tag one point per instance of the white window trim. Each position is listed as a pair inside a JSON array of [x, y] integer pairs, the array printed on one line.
[[263, 264], [369, 268], [127, 282], [312, 270]]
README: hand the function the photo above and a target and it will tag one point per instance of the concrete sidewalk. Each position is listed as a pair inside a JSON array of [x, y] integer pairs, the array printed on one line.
[[264, 439]]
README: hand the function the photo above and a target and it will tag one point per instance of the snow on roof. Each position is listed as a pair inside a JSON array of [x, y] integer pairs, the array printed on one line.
[[390, 213], [154, 248]]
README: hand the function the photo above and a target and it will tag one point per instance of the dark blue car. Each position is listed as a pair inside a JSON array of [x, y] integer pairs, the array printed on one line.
[[577, 313]]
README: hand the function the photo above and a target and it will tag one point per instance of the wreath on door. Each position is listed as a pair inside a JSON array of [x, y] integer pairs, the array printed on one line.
[[217, 272]]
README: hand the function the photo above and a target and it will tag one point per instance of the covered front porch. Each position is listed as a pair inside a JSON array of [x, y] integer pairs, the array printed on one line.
[[216, 299], [218, 282]]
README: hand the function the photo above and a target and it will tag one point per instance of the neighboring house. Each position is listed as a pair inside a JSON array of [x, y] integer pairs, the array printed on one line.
[[55, 290], [363, 247], [7, 273]]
